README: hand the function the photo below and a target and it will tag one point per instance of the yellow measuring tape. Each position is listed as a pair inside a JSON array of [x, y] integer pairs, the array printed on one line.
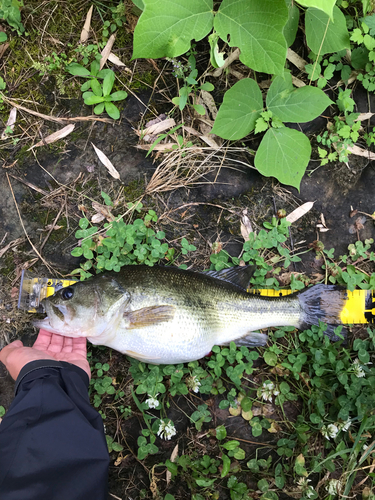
[[359, 307]]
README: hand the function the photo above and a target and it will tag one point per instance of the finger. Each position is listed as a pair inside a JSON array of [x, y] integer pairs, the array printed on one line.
[[68, 344], [57, 343], [43, 340], [79, 346]]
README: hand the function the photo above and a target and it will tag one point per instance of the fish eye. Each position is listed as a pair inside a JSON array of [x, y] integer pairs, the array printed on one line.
[[67, 293]]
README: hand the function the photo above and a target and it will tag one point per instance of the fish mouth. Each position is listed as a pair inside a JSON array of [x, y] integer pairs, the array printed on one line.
[[55, 314]]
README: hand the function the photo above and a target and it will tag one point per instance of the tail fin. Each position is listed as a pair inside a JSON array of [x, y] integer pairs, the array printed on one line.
[[323, 303]]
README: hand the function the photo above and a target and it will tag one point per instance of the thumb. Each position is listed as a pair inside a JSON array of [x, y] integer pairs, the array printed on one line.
[[6, 350]]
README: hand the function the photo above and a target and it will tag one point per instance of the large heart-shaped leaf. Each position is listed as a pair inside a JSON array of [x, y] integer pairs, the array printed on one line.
[[324, 5], [324, 36], [240, 109], [256, 28], [297, 105], [284, 153], [291, 27], [166, 28]]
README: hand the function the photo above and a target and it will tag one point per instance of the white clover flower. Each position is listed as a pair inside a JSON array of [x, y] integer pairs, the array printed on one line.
[[166, 429], [334, 486], [329, 431], [268, 390], [193, 383], [152, 401], [303, 483], [358, 369], [310, 492], [344, 426]]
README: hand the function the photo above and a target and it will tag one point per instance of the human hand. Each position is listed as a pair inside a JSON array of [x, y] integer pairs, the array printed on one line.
[[47, 346]]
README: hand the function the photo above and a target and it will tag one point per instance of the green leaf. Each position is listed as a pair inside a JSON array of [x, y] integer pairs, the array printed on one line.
[[120, 95], [324, 5], [231, 445], [76, 252], [256, 28], [112, 110], [207, 86], [239, 111], [165, 29], [139, 4], [291, 27], [98, 110], [260, 125], [76, 69], [96, 87], [108, 82], [270, 358], [199, 109], [221, 432], [3, 37], [91, 98], [336, 38], [226, 465], [296, 105], [86, 86], [216, 57], [284, 153]]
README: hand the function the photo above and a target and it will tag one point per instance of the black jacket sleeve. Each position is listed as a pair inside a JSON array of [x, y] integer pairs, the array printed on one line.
[[52, 443]]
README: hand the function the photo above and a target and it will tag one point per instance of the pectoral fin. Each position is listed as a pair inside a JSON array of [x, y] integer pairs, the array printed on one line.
[[149, 316]]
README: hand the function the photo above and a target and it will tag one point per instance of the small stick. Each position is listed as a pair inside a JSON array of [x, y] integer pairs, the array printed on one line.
[[24, 229], [51, 229]]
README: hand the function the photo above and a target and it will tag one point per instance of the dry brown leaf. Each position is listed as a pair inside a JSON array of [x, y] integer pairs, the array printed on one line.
[[295, 59], [210, 141], [103, 211], [300, 211], [158, 147], [106, 162], [107, 50], [56, 119], [191, 130], [172, 459], [297, 82], [247, 415], [159, 127], [209, 102], [356, 150], [12, 244], [86, 27], [3, 48], [10, 123], [364, 116], [246, 227], [96, 218], [275, 427], [117, 62], [60, 134], [52, 227], [235, 412]]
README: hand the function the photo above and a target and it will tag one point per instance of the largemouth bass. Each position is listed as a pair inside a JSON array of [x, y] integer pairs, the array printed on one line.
[[167, 315]]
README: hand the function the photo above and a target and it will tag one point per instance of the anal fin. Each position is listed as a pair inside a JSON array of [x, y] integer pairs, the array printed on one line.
[[253, 339]]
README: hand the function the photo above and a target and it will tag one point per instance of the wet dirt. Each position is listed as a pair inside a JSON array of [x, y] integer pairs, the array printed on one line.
[[204, 213]]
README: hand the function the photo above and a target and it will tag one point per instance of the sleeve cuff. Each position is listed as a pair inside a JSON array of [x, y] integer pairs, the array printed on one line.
[[48, 363]]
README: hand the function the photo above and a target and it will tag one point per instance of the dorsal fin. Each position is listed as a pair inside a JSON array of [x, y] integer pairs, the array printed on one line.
[[239, 275]]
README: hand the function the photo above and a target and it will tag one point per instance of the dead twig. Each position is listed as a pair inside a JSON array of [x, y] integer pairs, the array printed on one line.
[[24, 229]]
